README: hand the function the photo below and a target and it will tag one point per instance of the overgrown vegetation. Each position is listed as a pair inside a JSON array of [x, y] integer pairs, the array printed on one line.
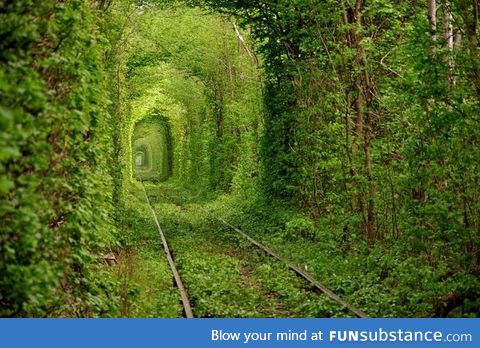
[[225, 276], [144, 278], [55, 146], [345, 135]]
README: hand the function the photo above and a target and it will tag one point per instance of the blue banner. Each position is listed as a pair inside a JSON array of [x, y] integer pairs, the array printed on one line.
[[118, 333]]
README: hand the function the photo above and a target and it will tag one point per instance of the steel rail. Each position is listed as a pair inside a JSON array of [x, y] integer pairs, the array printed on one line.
[[307, 276], [178, 280], [300, 272]]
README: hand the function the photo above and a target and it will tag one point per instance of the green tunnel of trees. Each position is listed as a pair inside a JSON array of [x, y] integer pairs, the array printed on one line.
[[152, 148], [348, 130]]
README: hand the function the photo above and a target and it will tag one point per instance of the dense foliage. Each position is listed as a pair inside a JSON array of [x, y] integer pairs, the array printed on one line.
[[343, 133], [371, 124], [54, 151], [152, 148], [191, 67]]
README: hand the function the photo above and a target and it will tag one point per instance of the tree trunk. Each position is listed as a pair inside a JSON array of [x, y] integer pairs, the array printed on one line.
[[474, 44], [448, 36], [432, 18], [363, 121]]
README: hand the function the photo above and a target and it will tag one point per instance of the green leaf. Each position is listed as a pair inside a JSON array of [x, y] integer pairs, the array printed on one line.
[[8, 153], [5, 185]]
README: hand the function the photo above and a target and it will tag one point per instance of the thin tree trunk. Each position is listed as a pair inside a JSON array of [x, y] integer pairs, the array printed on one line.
[[447, 25], [448, 36], [471, 19], [363, 122], [367, 91], [432, 18], [474, 44], [351, 129], [348, 150]]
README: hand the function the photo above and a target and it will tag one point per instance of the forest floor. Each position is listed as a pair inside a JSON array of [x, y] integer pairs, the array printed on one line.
[[226, 276]]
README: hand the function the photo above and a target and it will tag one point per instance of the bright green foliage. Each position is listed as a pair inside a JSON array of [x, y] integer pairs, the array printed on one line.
[[345, 134], [144, 277], [372, 127], [225, 277], [189, 92], [191, 67], [152, 141], [54, 141]]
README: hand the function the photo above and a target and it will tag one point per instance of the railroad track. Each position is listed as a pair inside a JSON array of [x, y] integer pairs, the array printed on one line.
[[187, 308], [300, 272]]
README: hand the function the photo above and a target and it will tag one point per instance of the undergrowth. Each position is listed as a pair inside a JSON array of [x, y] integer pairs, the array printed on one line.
[[145, 280], [384, 281]]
